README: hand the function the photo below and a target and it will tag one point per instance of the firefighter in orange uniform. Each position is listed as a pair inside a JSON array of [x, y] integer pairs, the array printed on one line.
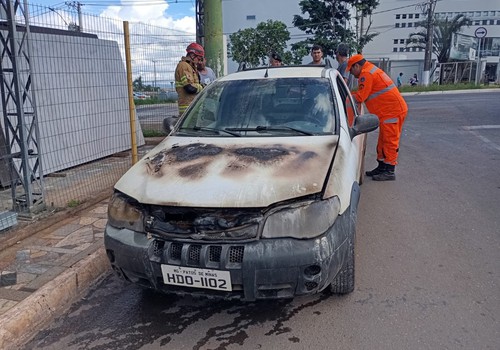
[[377, 90]]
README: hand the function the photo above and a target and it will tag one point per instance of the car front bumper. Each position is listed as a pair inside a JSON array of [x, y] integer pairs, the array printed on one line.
[[259, 269]]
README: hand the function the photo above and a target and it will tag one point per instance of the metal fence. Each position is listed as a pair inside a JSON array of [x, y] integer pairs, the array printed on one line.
[[65, 123]]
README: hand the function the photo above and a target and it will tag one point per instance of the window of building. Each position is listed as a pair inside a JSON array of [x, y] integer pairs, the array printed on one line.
[[250, 17], [477, 13], [492, 13], [394, 49], [404, 16], [410, 24], [398, 16], [414, 49], [477, 23], [498, 22], [420, 49], [396, 41], [470, 14], [492, 21], [417, 15], [410, 16], [401, 49], [485, 13], [401, 41], [397, 25], [403, 25], [484, 22]]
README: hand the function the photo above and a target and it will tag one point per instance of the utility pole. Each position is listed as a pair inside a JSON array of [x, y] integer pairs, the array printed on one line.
[[428, 46], [209, 33], [78, 6], [154, 67]]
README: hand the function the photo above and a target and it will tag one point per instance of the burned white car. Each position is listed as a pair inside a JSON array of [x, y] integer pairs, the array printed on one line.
[[254, 193]]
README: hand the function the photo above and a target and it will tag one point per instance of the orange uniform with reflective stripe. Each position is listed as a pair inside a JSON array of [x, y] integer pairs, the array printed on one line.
[[381, 97]]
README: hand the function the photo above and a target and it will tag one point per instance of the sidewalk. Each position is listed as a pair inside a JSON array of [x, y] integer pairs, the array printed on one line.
[[43, 274], [47, 265]]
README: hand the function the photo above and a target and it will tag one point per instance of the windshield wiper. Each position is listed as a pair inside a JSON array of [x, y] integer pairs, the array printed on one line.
[[272, 128], [214, 130]]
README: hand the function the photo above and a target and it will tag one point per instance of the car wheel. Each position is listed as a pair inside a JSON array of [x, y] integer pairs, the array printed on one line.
[[344, 281]]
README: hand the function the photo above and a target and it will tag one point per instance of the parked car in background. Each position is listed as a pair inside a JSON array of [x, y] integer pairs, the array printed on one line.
[[254, 193], [140, 96]]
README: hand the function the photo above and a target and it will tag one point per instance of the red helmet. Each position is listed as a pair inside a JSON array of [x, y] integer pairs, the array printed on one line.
[[195, 48]]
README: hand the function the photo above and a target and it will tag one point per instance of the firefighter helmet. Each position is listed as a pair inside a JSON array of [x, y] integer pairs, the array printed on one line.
[[195, 48]]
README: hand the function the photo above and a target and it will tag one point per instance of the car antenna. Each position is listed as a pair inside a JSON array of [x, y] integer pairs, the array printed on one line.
[[266, 75]]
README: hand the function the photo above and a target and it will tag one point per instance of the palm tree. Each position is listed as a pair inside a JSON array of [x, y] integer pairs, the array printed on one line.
[[442, 38]]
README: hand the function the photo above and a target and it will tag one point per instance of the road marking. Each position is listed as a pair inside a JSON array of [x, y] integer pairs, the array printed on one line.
[[478, 127], [481, 137]]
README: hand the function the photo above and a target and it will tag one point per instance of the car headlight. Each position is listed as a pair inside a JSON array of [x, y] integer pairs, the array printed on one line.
[[123, 214], [307, 219]]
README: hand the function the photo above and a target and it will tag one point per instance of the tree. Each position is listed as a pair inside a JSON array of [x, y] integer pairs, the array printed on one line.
[[442, 35], [327, 21], [253, 46], [137, 84]]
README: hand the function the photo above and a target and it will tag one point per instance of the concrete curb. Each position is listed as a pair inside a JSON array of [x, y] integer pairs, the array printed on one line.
[[22, 322], [444, 92]]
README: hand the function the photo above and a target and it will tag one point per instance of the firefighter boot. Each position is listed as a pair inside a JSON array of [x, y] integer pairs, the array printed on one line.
[[387, 174], [380, 167]]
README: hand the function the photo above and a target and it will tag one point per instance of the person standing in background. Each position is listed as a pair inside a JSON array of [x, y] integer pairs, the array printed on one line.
[[275, 60], [341, 55], [399, 81], [317, 54], [207, 74]]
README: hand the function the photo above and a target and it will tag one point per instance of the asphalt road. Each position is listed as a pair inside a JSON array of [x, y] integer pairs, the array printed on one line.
[[427, 255]]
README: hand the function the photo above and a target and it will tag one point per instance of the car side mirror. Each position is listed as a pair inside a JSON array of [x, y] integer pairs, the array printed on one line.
[[363, 124]]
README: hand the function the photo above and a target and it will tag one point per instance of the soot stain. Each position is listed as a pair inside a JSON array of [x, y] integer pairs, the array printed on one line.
[[194, 171], [195, 151], [262, 154]]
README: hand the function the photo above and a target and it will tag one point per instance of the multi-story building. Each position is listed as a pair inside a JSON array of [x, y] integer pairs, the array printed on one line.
[[393, 20]]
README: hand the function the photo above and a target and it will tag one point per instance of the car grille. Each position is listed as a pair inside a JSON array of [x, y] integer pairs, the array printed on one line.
[[199, 255]]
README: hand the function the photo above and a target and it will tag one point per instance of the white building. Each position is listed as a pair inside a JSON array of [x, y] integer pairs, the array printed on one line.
[[394, 20]]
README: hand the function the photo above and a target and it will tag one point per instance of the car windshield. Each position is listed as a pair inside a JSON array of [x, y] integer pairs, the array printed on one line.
[[262, 107]]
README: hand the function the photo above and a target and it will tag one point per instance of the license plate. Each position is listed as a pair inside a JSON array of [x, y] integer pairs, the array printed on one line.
[[196, 278]]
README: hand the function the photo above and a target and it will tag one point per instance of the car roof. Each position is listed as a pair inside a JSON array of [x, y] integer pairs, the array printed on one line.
[[306, 71]]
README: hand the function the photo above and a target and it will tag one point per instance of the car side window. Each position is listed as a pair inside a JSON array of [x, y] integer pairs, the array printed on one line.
[[347, 102]]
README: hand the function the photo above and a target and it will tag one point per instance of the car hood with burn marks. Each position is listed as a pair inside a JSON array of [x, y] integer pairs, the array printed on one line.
[[226, 172]]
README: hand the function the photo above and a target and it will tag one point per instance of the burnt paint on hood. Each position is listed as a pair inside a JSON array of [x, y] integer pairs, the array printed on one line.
[[229, 172]]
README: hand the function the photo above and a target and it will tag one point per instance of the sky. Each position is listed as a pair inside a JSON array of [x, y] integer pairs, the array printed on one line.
[[176, 14]]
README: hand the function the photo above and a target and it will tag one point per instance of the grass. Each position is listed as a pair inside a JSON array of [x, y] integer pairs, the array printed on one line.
[[153, 133], [448, 87], [73, 203], [153, 101]]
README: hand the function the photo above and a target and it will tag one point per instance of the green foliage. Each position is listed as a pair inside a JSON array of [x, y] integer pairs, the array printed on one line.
[[445, 87], [138, 85], [327, 20], [254, 45], [73, 203], [152, 133], [442, 35], [152, 101]]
